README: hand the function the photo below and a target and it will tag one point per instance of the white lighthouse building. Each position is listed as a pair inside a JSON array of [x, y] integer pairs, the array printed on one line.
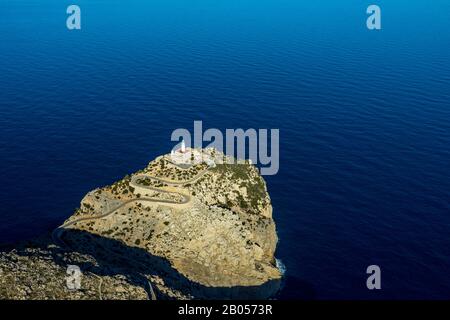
[[183, 155]]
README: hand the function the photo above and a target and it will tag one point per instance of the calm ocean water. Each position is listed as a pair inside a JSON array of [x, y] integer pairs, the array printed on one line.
[[364, 120]]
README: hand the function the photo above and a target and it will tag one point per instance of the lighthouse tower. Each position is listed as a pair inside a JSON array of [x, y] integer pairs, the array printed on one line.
[[183, 147]]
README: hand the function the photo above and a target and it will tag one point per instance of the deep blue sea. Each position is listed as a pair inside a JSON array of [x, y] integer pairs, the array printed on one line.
[[364, 119]]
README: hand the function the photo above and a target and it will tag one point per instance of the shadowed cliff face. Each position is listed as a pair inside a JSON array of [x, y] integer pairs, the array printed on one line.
[[108, 258], [135, 263]]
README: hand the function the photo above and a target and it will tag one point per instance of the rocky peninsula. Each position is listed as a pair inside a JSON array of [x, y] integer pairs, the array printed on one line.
[[201, 229]]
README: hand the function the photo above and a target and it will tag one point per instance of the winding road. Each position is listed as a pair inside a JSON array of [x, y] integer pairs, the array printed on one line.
[[186, 199]]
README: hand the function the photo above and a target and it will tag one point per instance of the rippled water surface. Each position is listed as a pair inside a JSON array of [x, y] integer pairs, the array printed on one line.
[[364, 120]]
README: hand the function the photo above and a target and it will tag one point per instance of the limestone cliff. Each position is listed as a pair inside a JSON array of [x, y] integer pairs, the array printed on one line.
[[196, 230]]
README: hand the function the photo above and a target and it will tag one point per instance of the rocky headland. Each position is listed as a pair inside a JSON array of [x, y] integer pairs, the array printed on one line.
[[198, 230]]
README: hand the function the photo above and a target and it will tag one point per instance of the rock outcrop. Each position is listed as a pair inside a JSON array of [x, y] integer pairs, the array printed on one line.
[[191, 231]]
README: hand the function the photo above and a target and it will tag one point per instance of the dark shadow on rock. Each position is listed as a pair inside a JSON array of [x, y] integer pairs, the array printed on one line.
[[113, 257]]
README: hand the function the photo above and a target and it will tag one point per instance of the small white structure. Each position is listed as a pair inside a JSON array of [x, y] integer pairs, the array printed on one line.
[[210, 162], [184, 155], [192, 156]]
